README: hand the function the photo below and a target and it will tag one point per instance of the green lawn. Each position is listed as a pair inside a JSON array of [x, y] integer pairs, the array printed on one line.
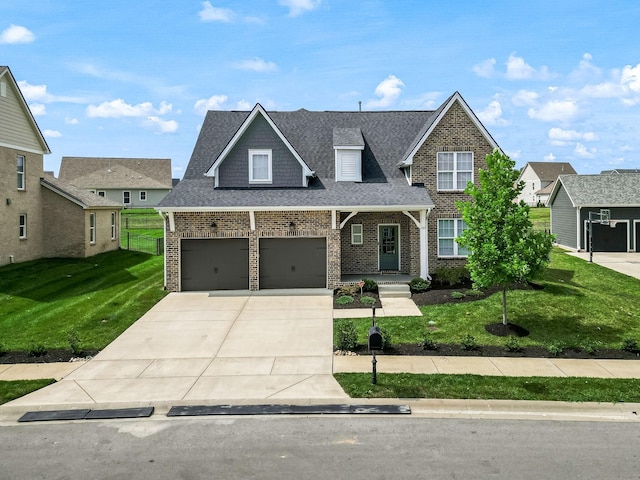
[[573, 389], [144, 227], [97, 297], [581, 305], [10, 390], [540, 217]]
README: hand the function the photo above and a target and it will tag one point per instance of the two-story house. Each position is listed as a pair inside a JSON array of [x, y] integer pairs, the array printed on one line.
[[538, 179], [304, 199], [40, 216]]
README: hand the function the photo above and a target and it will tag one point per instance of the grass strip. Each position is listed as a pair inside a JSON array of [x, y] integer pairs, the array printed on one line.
[[10, 390], [564, 389]]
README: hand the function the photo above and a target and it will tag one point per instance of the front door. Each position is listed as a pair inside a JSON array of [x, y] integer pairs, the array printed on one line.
[[388, 245]]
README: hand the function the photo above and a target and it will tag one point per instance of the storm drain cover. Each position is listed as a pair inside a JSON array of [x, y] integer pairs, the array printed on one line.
[[86, 414], [199, 410]]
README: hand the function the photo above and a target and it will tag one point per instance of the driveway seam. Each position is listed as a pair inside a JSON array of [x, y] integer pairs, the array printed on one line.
[[289, 386]]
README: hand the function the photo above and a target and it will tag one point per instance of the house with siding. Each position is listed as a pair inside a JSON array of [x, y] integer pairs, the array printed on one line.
[[133, 182], [37, 213], [314, 199], [538, 178], [576, 198]]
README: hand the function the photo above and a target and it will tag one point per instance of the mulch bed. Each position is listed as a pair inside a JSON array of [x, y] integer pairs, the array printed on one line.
[[51, 356]]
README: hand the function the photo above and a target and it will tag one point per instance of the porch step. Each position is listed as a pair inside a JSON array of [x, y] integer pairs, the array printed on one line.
[[394, 291]]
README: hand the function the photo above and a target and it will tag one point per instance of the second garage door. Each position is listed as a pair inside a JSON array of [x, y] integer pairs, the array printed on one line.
[[610, 239], [293, 263], [214, 264]]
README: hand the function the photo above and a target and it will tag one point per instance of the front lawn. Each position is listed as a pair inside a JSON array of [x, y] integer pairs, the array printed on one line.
[[581, 305], [10, 390], [95, 299]]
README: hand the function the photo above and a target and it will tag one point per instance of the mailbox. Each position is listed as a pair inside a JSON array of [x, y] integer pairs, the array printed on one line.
[[375, 338]]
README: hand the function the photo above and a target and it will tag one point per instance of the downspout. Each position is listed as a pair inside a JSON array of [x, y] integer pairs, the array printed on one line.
[[578, 230]]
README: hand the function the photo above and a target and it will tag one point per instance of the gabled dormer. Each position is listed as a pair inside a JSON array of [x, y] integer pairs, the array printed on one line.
[[348, 144], [259, 155]]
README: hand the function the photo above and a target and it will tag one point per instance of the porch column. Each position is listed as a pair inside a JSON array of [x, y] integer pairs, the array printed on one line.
[[424, 245]]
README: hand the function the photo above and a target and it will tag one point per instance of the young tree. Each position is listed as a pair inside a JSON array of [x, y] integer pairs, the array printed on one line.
[[503, 247]]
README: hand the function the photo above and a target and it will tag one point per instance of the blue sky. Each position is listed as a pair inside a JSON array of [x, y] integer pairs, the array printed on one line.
[[552, 81]]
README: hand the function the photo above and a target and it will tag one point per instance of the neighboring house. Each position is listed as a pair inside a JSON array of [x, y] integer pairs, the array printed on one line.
[[134, 182], [620, 170], [306, 199], [36, 212], [616, 196], [538, 178]]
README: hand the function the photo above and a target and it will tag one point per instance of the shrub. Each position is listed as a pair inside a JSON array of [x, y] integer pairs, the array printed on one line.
[[37, 350], [348, 290], [386, 338], [469, 343], [555, 348], [591, 346], [475, 293], [344, 300], [451, 276], [428, 343], [370, 285], [512, 345], [417, 285], [457, 295], [367, 300], [629, 345], [74, 342], [346, 335]]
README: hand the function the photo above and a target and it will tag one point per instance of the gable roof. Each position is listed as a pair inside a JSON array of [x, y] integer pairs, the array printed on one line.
[[435, 120], [5, 74], [257, 110], [600, 190], [80, 197], [91, 172], [549, 171], [620, 170]]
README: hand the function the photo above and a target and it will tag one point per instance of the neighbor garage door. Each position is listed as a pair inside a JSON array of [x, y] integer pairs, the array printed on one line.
[[637, 235], [293, 263], [608, 239], [215, 264]]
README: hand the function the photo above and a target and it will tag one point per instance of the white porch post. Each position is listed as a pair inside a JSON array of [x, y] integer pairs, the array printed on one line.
[[424, 245]]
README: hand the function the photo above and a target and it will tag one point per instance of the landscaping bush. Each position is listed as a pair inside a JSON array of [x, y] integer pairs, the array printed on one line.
[[74, 342], [369, 285], [418, 285], [344, 300], [346, 335], [451, 275], [629, 345], [386, 338], [457, 295], [428, 343], [37, 350], [512, 345], [348, 290], [555, 348], [469, 343], [367, 300]]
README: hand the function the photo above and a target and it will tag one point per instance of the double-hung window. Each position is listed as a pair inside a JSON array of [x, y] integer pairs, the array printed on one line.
[[126, 197], [21, 171], [260, 166], [92, 228], [113, 225], [448, 230], [143, 196], [356, 234], [22, 225], [455, 170]]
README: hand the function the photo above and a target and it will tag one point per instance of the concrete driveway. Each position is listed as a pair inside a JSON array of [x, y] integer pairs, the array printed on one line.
[[627, 263], [193, 348]]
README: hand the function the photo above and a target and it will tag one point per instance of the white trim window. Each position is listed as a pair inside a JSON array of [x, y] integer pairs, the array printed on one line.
[[143, 195], [113, 225], [102, 193], [356, 234], [126, 197], [455, 170], [20, 164], [260, 166], [448, 230], [22, 225], [92, 228]]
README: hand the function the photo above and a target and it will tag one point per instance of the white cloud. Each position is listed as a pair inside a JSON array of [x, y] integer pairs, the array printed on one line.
[[71, 121], [52, 133], [209, 13], [39, 93], [554, 111], [243, 105], [17, 34], [524, 98], [485, 68], [212, 103], [256, 64], [583, 151], [518, 69], [38, 109], [160, 125], [561, 137], [298, 7], [492, 115], [585, 70], [626, 148], [118, 108], [616, 161], [549, 158], [388, 90], [514, 154]]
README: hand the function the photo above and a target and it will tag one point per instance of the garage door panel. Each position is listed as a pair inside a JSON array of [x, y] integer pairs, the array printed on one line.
[[293, 263], [215, 264], [609, 239], [637, 236]]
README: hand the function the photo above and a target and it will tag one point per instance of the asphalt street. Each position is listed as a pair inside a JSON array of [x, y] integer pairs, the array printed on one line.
[[320, 447]]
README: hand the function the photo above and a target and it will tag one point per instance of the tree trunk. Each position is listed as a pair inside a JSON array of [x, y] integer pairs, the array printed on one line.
[[504, 305]]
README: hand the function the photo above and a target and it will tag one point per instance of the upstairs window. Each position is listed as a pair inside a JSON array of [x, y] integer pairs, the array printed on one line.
[[126, 197], [21, 171], [143, 196], [455, 170], [260, 166]]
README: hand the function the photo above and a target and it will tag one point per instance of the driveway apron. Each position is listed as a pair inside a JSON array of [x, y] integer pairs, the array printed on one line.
[[192, 347]]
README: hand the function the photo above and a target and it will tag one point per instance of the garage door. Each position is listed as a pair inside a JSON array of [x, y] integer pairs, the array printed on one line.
[[293, 263], [637, 226], [215, 264], [608, 239]]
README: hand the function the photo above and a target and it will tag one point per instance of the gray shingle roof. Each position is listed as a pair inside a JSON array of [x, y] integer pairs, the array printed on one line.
[[347, 137], [549, 171], [77, 195], [602, 190], [90, 172], [386, 136]]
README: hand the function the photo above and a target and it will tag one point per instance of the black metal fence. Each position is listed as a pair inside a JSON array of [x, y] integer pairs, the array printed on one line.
[[134, 222], [143, 243]]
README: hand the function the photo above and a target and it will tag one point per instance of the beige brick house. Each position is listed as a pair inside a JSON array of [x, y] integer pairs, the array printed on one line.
[[38, 216], [315, 199]]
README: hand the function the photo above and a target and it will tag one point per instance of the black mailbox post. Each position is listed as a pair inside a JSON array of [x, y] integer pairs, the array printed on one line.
[[375, 345]]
